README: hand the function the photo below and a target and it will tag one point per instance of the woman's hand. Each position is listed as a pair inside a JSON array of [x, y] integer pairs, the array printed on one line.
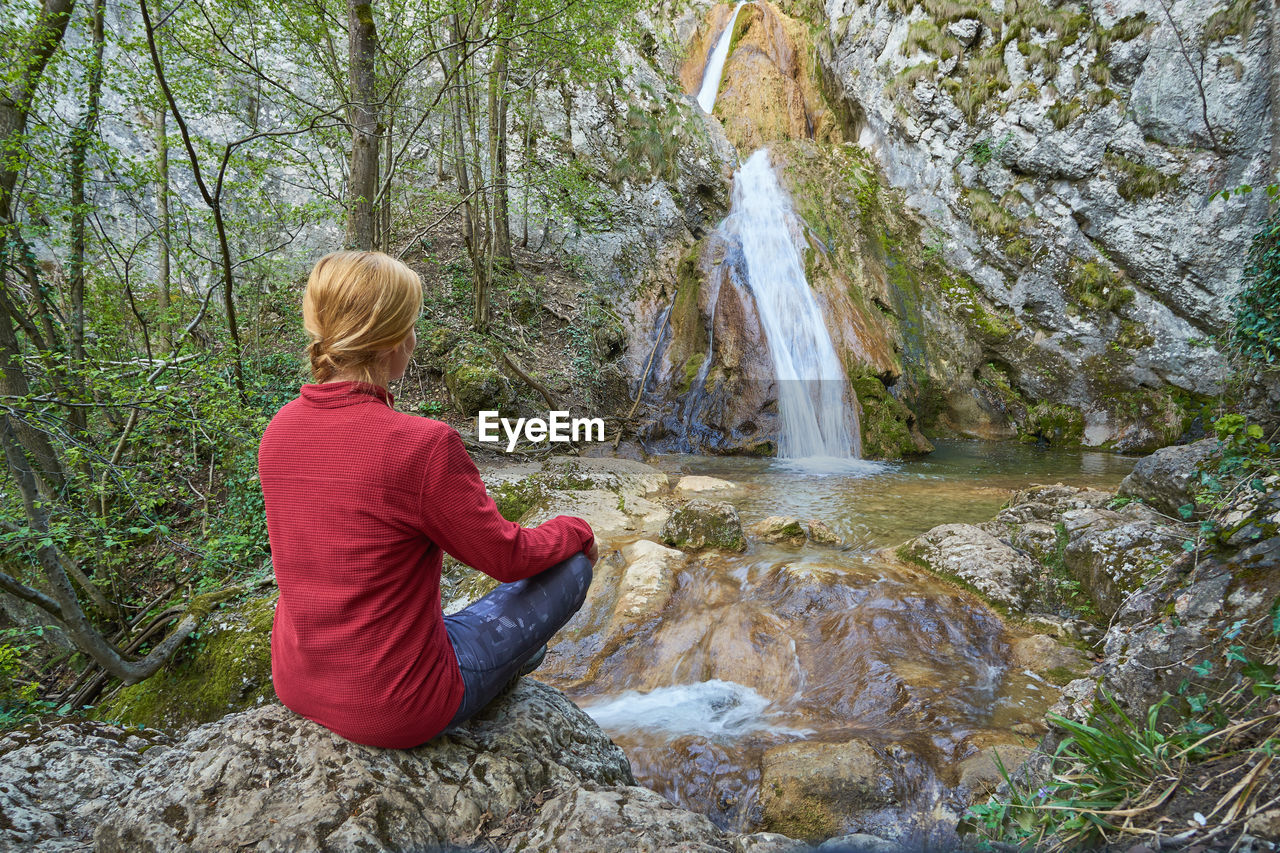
[[592, 553]]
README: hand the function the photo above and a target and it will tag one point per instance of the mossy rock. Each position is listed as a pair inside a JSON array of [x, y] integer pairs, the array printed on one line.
[[475, 382], [705, 524], [222, 668], [1057, 424], [889, 429]]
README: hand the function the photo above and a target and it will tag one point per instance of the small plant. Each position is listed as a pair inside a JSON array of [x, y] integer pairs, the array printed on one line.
[[1062, 113]]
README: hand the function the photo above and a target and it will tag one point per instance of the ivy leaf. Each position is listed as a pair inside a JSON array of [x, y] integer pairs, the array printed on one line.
[[1186, 511], [1203, 669]]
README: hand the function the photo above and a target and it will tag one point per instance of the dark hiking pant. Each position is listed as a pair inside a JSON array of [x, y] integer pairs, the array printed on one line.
[[498, 634]]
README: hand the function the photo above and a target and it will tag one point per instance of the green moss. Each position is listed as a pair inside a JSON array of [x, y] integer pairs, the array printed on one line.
[[963, 296], [1235, 20], [690, 372], [224, 667], [1057, 424], [1062, 113], [927, 36], [689, 335], [888, 427], [1096, 286], [988, 215], [1061, 675], [1135, 180]]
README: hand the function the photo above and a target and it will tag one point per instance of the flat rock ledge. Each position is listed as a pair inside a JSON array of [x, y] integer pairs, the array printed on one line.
[[531, 773]]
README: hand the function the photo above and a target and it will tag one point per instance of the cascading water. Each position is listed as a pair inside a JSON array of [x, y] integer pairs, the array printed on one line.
[[715, 65], [816, 423]]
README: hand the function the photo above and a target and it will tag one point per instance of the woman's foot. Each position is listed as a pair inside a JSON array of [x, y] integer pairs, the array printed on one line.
[[534, 662]]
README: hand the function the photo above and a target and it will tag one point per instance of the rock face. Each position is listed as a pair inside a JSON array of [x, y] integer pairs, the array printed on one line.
[[532, 772], [705, 524], [1030, 171], [1053, 149], [1167, 478], [768, 91]]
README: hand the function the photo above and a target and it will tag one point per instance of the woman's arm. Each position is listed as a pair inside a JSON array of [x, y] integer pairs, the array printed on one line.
[[457, 514]]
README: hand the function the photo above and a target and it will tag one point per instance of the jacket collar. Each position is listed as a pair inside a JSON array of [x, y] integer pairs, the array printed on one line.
[[332, 395]]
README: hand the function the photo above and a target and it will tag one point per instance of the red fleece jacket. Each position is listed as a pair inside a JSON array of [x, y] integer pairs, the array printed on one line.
[[362, 502]]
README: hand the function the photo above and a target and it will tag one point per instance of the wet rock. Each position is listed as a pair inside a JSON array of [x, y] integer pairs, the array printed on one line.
[[779, 529], [705, 524], [693, 484], [648, 581], [809, 789], [980, 773], [963, 552], [610, 515], [1043, 655], [821, 534], [1167, 479]]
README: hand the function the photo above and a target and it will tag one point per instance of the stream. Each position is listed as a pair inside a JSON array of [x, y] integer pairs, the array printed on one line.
[[819, 644]]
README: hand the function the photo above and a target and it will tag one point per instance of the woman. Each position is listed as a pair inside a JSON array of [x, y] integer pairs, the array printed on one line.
[[362, 503]]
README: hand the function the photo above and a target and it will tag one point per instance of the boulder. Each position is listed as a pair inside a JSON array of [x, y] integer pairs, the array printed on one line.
[[1167, 479], [822, 534], [705, 524], [1112, 560], [693, 484], [1045, 656], [474, 381], [779, 529], [991, 567], [57, 782], [647, 583], [980, 773], [269, 779], [809, 789]]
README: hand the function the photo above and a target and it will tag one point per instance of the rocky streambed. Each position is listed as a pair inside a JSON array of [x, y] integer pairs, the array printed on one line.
[[757, 668]]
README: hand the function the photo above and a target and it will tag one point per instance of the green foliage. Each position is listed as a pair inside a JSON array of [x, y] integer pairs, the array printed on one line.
[[1136, 181], [1062, 113], [1234, 20], [988, 215], [1096, 286], [1113, 769], [1255, 330]]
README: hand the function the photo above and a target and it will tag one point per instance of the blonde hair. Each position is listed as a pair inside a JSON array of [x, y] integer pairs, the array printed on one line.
[[356, 305]]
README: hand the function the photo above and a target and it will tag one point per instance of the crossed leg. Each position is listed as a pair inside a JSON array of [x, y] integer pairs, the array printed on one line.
[[497, 635]]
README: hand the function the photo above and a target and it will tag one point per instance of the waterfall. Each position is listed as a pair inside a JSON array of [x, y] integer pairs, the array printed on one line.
[[816, 423], [715, 64]]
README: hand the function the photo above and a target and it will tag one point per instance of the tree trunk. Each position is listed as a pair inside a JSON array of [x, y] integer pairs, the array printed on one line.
[[81, 137], [498, 223], [362, 182], [162, 215]]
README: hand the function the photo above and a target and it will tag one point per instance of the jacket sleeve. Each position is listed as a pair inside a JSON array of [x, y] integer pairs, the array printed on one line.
[[457, 514]]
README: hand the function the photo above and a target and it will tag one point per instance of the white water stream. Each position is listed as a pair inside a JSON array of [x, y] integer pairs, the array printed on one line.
[[715, 64], [816, 423]]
